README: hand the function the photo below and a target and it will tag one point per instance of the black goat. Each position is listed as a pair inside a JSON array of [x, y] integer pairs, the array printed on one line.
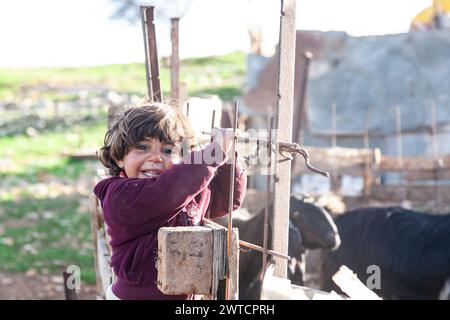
[[411, 250], [310, 227]]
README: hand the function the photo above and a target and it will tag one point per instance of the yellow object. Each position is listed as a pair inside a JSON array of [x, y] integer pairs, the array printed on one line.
[[425, 17]]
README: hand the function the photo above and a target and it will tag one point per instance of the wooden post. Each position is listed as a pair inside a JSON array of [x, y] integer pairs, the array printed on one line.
[[335, 183], [367, 128], [94, 229], [435, 158], [174, 60], [282, 177], [300, 119], [300, 114], [233, 267], [398, 126], [69, 293], [151, 54], [333, 126], [368, 167]]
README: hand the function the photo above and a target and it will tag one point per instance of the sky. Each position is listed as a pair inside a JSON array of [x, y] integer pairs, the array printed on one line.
[[80, 32]]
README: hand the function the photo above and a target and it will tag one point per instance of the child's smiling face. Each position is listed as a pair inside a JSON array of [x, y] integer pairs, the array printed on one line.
[[149, 158]]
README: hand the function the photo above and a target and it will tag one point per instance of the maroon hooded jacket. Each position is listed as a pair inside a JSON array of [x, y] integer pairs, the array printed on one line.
[[134, 209]]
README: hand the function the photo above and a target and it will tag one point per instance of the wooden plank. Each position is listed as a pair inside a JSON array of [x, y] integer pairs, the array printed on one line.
[[69, 293], [352, 286], [104, 261], [147, 58], [219, 263], [438, 174], [153, 52], [94, 229], [151, 57], [276, 288], [388, 163], [398, 193], [300, 115], [81, 155], [174, 61], [282, 179], [185, 260], [233, 267]]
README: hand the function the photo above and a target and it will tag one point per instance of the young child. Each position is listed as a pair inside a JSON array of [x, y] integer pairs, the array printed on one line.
[[155, 185]]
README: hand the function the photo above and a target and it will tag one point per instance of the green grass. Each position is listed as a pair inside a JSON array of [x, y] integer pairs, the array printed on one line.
[[126, 78], [30, 157], [57, 226], [199, 74], [57, 236]]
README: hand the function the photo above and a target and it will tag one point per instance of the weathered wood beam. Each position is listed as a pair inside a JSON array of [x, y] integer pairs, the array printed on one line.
[[282, 179], [192, 260], [151, 54], [429, 174], [175, 60], [185, 256], [414, 163], [398, 193], [94, 215], [69, 292]]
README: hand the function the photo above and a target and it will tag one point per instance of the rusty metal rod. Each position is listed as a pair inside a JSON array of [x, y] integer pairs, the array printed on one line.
[[265, 142], [283, 147], [261, 249], [266, 207], [231, 198]]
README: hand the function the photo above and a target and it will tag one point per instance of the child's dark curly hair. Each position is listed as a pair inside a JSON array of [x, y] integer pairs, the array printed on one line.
[[145, 120]]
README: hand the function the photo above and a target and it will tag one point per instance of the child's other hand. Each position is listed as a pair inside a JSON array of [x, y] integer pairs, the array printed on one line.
[[224, 137]]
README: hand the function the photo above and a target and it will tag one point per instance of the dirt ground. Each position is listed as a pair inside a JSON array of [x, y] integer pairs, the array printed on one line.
[[20, 286]]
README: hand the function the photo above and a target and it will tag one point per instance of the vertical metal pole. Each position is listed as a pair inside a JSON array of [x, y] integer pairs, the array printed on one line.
[[268, 195], [174, 60], [213, 122], [211, 140], [228, 292], [282, 178]]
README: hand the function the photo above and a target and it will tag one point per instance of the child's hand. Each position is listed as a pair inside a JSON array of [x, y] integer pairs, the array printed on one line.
[[224, 137]]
